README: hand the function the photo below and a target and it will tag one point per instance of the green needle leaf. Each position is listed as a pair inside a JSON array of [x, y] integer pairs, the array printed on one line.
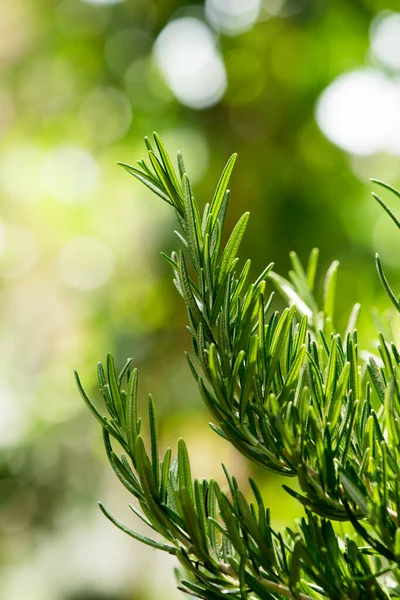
[[232, 246], [150, 182], [385, 283], [312, 268], [185, 477], [115, 390], [131, 411], [167, 162], [382, 203], [221, 189], [330, 289], [191, 231], [166, 183], [137, 536], [154, 441]]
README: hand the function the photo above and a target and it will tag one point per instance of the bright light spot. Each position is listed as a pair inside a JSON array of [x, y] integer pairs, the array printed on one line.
[[70, 173], [188, 58], [85, 263], [18, 251], [19, 168], [385, 39], [360, 112], [106, 114], [233, 16]]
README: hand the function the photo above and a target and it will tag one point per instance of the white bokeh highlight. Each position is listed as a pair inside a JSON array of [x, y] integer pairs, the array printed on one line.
[[187, 56], [360, 112], [385, 39], [232, 17]]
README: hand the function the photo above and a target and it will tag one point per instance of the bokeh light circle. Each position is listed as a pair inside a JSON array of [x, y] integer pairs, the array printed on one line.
[[360, 112], [385, 39], [232, 17], [188, 58]]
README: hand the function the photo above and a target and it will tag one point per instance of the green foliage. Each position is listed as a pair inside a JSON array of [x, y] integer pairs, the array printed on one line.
[[292, 394]]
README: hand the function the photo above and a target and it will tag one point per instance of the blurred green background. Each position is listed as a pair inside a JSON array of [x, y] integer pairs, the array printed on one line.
[[306, 91]]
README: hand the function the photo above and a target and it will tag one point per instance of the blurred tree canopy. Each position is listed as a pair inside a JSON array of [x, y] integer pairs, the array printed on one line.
[[81, 83]]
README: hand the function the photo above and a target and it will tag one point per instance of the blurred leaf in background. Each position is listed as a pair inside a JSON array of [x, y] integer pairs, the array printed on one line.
[[307, 92]]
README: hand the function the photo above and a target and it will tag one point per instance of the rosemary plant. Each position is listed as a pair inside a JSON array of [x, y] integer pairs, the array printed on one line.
[[291, 394]]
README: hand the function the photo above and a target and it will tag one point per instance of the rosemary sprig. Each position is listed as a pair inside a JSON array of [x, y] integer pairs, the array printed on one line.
[[292, 394]]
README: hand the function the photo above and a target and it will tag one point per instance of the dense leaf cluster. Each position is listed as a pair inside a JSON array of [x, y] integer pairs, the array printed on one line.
[[291, 394]]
